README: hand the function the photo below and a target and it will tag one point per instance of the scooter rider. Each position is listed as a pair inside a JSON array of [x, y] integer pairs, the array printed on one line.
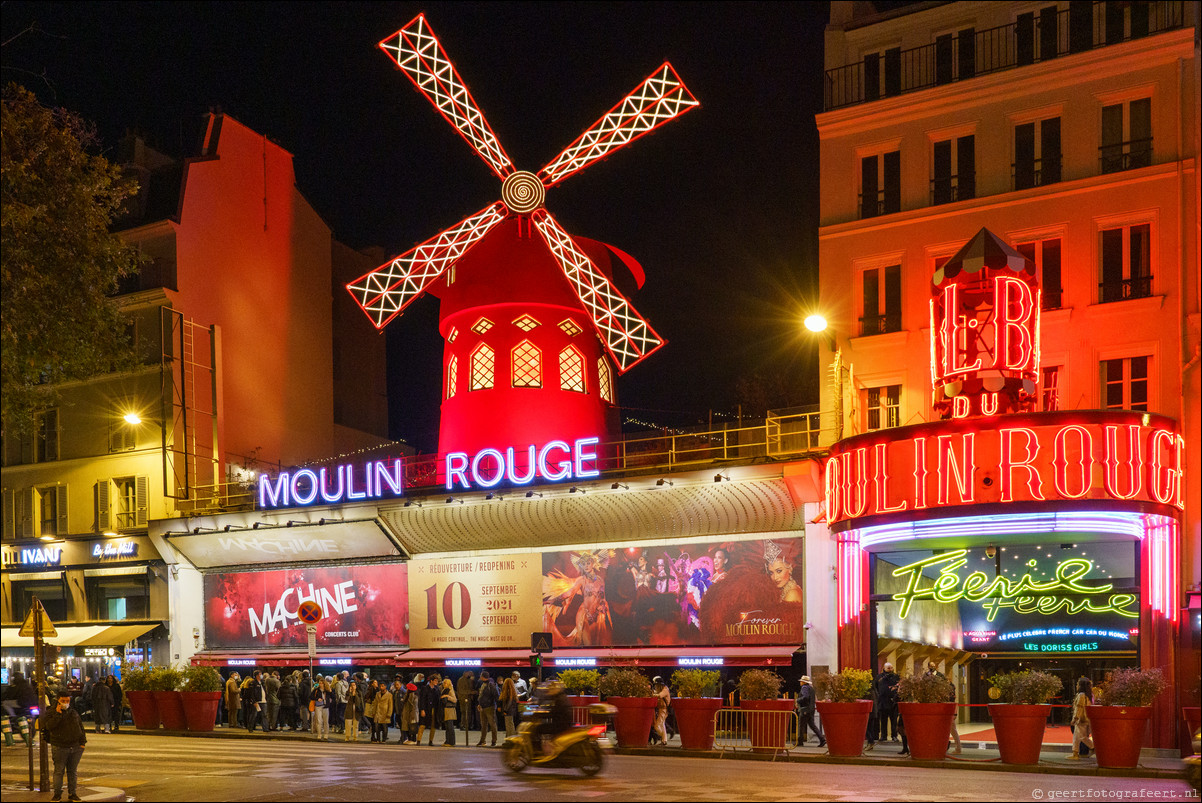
[[553, 697]]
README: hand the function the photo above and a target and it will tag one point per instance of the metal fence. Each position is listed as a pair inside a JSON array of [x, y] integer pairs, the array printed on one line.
[[738, 729]]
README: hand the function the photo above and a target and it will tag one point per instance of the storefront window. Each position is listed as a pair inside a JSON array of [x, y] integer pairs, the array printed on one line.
[[117, 598], [50, 591]]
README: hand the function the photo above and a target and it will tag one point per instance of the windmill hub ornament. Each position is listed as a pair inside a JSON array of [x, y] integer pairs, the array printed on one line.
[[531, 325], [522, 192]]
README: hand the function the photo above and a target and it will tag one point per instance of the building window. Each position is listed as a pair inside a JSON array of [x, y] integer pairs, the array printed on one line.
[[1126, 136], [1046, 256], [1125, 383], [883, 407], [117, 598], [525, 322], [454, 333], [45, 437], [481, 326], [605, 380], [452, 376], [880, 184], [1036, 153], [569, 327], [1126, 263], [527, 365], [482, 367], [882, 301], [52, 593], [946, 185], [123, 437], [886, 81], [571, 370], [955, 56], [1051, 388], [130, 502], [51, 510]]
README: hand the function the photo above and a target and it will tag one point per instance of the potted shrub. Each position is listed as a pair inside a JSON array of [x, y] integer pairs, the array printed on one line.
[[629, 691], [581, 685], [1120, 721], [759, 690], [845, 708], [1022, 713], [201, 693], [695, 703], [927, 713], [165, 682], [135, 683]]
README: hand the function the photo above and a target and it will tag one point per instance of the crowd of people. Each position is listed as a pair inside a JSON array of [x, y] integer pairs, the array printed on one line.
[[356, 706]]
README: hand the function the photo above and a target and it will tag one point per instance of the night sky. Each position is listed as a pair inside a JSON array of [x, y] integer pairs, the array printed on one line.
[[720, 205]]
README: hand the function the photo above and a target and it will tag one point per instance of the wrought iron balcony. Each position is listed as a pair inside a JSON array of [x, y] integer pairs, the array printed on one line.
[[1036, 173], [1135, 287], [1033, 38]]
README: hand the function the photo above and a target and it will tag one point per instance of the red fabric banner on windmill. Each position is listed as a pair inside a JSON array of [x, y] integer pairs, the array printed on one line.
[[513, 299], [984, 330]]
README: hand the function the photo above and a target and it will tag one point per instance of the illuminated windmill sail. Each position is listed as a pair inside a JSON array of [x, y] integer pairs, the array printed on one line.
[[385, 292]]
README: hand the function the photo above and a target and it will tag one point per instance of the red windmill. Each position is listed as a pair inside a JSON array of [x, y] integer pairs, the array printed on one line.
[[520, 363]]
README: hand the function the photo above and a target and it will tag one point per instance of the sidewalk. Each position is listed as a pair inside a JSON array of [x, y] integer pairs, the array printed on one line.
[[975, 756]]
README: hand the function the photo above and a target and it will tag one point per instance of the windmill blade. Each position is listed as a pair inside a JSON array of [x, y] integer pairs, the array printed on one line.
[[652, 103], [386, 291], [419, 54], [627, 336]]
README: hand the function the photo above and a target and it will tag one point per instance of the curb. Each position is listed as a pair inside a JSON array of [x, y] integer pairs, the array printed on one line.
[[92, 794]]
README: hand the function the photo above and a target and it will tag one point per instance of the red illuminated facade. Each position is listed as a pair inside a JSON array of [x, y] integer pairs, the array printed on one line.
[[1024, 398]]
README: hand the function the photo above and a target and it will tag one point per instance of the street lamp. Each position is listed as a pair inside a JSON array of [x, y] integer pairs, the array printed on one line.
[[132, 418], [817, 324]]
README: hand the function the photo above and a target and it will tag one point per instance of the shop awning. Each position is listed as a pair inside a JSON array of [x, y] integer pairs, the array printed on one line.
[[330, 660], [80, 636], [611, 656]]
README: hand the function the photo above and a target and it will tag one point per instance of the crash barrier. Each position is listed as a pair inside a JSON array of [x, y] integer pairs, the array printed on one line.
[[738, 729]]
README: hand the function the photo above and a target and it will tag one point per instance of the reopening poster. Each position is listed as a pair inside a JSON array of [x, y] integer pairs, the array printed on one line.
[[475, 602], [363, 606], [720, 593]]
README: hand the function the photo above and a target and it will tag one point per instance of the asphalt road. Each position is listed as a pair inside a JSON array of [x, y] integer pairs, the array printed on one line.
[[172, 768]]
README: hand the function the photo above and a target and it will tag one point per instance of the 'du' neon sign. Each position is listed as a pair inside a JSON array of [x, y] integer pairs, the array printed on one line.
[[1025, 595]]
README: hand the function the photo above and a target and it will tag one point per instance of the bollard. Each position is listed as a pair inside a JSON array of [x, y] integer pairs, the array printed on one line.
[[8, 732], [23, 729]]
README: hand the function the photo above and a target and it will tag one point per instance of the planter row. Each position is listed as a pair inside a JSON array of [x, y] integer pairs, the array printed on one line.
[[174, 710], [1118, 732]]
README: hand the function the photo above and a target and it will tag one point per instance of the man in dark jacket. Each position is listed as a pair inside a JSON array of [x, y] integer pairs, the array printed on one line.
[[253, 701], [63, 729], [886, 695], [428, 701], [806, 705], [271, 685], [289, 699], [487, 705]]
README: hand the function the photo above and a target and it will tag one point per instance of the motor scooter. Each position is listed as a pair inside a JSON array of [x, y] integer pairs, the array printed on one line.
[[577, 747]]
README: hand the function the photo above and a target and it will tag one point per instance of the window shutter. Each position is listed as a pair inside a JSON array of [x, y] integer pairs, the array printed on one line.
[[143, 497], [103, 511], [60, 509], [25, 508], [10, 514]]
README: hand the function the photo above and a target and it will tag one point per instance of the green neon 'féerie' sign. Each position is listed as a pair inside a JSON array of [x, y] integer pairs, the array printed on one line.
[[1025, 595]]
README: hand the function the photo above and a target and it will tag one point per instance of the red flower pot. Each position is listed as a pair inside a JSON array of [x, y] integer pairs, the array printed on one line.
[[1019, 731], [633, 720], [845, 725], [580, 704], [200, 709], [1193, 718], [171, 710], [767, 730], [1118, 733], [695, 719], [928, 727], [143, 709]]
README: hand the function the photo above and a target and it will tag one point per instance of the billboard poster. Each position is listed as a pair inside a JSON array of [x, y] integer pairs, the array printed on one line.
[[720, 593], [475, 602], [364, 606]]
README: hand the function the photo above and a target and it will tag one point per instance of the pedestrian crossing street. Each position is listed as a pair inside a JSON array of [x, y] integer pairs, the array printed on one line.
[[244, 769]]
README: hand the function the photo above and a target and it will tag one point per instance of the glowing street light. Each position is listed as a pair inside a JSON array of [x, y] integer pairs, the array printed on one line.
[[132, 418], [815, 323]]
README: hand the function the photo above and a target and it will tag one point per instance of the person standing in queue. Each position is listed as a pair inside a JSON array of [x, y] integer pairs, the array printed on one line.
[[806, 705], [487, 705], [63, 730], [449, 705], [428, 701], [886, 695], [509, 706]]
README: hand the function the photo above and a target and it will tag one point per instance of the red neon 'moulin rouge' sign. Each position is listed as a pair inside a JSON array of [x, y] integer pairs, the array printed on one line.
[[984, 330], [1115, 457]]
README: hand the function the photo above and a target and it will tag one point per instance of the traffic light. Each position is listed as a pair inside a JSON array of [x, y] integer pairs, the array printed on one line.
[[536, 660]]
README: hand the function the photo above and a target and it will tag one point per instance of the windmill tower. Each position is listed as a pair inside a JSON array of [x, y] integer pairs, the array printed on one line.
[[534, 328]]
